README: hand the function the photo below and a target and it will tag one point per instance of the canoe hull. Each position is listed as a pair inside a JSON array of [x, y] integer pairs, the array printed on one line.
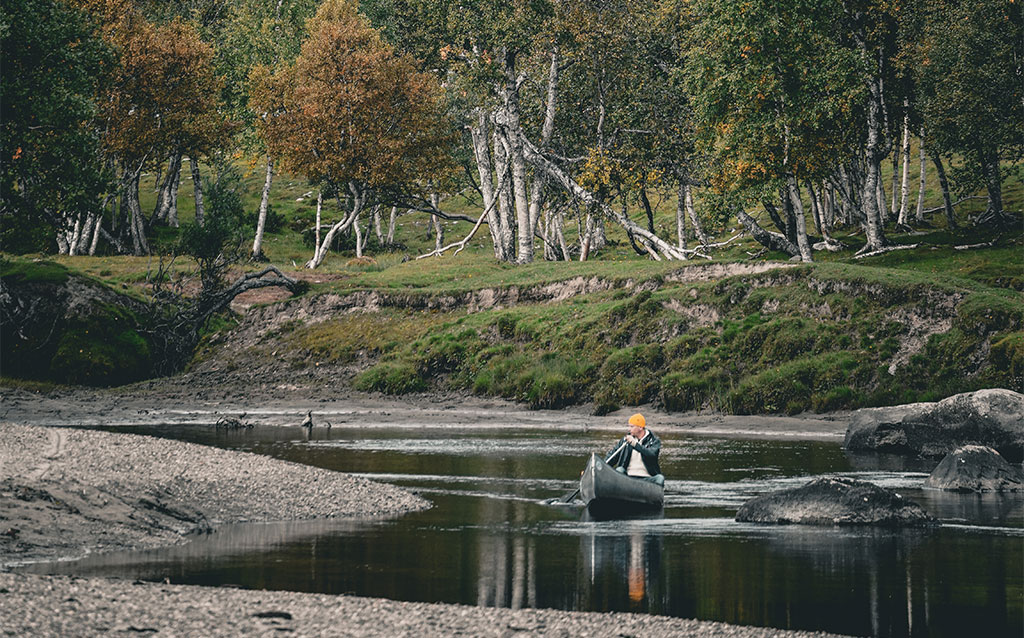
[[602, 487]]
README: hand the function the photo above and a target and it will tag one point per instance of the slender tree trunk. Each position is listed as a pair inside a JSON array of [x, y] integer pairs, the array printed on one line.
[[130, 204], [874, 152], [435, 201], [172, 209], [358, 235], [816, 208], [510, 121], [588, 231], [893, 209], [319, 209], [691, 212], [773, 214], [882, 209], [167, 195], [993, 182], [377, 230], [482, 155], [919, 215], [197, 190], [905, 178], [947, 201], [800, 218], [261, 221], [322, 249], [96, 233], [391, 225], [681, 215], [506, 213], [547, 131], [63, 248]]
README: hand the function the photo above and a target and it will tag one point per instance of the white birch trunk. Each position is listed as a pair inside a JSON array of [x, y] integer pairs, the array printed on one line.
[[482, 155], [359, 237], [319, 209], [435, 201], [801, 219], [698, 230], [197, 191], [547, 131], [167, 198], [893, 209], [261, 221], [681, 215], [378, 231], [905, 177], [503, 191], [321, 249], [391, 225], [919, 214], [588, 232], [96, 234]]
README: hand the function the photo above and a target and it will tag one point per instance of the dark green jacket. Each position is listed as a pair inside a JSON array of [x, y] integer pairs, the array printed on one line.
[[649, 448]]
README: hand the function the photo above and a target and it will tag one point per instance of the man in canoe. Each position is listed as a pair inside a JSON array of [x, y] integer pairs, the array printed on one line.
[[637, 453]]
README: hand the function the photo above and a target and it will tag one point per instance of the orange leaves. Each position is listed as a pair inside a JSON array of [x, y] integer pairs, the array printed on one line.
[[350, 109]]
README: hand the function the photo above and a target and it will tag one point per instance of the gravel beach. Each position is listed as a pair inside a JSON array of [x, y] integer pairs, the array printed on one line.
[[61, 607], [66, 492]]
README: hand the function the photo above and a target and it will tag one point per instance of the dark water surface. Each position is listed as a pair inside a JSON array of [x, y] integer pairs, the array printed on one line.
[[490, 540]]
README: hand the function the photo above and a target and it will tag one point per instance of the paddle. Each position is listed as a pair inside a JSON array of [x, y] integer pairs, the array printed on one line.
[[568, 497]]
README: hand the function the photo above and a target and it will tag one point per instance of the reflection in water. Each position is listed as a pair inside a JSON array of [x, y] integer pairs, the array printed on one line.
[[489, 541]]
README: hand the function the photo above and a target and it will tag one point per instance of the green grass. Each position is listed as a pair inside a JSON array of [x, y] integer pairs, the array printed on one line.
[[813, 337]]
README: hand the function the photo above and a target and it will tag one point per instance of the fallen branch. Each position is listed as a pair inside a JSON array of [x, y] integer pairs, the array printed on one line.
[[987, 244], [476, 226], [887, 249]]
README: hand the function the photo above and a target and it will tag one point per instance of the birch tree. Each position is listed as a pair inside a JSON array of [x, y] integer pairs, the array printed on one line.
[[352, 116]]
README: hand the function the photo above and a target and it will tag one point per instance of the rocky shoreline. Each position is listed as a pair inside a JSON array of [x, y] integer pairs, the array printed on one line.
[[65, 492]]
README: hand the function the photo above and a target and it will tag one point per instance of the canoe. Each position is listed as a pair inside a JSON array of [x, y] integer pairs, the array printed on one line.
[[601, 486]]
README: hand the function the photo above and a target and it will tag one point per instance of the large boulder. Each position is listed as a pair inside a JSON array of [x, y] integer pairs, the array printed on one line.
[[834, 501], [987, 417], [976, 468]]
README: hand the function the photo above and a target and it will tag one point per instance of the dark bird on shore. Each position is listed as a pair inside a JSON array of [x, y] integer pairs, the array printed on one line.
[[308, 422]]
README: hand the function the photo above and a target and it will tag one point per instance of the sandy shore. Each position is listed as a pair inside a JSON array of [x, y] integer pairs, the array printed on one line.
[[65, 492]]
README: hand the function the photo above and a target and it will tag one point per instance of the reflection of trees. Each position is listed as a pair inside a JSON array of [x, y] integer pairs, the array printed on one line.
[[623, 571], [506, 576]]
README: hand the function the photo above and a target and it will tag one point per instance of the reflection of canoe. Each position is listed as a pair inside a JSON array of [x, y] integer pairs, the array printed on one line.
[[602, 486]]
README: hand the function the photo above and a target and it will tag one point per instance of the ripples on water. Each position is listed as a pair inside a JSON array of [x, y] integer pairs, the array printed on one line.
[[491, 540]]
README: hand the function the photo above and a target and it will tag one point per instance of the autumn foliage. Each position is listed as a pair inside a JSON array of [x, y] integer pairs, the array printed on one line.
[[350, 109]]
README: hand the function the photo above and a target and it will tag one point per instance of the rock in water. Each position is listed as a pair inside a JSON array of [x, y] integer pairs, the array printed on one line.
[[976, 468], [834, 501], [987, 417]]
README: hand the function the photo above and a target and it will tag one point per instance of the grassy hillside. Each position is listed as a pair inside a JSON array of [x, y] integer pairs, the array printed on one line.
[[728, 335]]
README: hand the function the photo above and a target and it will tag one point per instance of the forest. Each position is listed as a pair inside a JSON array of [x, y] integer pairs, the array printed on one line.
[[550, 122]]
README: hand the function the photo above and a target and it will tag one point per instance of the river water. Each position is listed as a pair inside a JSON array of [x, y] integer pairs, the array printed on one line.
[[491, 540]]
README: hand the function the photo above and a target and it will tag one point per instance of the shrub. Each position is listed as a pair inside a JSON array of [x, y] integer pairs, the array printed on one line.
[[792, 387], [629, 376], [681, 391], [391, 377], [103, 349]]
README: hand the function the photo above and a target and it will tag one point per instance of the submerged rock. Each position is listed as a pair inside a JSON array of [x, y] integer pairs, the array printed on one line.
[[976, 468], [993, 418], [834, 501]]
